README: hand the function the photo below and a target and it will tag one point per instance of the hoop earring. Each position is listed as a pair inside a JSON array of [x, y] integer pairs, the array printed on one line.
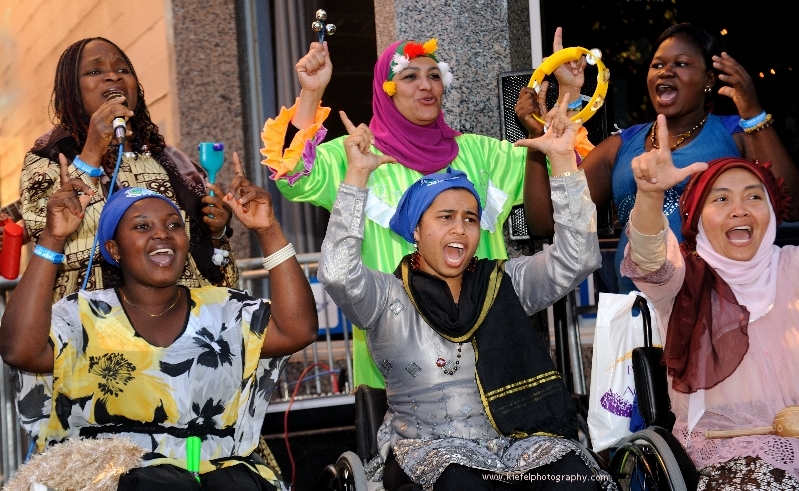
[[708, 88], [416, 261], [472, 267]]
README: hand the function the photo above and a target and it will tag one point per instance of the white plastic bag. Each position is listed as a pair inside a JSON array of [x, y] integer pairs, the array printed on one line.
[[612, 384]]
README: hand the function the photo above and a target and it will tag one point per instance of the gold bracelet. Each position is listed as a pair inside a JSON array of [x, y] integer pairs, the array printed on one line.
[[761, 125], [567, 174]]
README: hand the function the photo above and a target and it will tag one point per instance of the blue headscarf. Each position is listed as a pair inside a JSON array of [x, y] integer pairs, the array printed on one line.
[[113, 210], [420, 195]]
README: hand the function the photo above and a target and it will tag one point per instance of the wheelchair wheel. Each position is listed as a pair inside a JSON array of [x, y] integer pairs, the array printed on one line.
[[352, 476], [649, 461]]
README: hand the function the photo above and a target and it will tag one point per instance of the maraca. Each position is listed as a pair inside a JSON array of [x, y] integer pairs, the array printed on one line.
[[786, 424], [212, 156]]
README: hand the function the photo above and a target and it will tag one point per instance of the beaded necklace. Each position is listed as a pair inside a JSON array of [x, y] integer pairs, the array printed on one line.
[[448, 367], [681, 137]]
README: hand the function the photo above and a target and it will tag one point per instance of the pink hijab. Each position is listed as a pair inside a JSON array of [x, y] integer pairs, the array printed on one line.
[[426, 149]]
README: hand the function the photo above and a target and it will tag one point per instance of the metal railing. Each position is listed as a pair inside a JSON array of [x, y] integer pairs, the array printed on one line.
[[331, 347]]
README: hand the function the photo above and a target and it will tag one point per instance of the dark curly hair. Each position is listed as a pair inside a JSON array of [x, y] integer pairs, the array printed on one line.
[[67, 104]]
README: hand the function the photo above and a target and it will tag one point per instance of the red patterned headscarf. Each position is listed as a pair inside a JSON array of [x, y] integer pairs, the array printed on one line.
[[708, 329]]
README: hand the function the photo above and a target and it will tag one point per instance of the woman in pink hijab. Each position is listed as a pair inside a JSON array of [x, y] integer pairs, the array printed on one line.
[[410, 81], [727, 300]]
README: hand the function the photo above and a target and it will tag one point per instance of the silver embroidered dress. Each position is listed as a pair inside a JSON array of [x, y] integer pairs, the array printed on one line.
[[435, 416]]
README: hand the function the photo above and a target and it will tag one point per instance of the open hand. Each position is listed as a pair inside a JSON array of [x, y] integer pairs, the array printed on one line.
[[315, 69], [66, 206], [739, 88], [654, 171]]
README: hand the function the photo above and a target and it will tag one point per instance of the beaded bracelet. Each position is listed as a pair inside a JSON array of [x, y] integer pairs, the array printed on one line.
[[576, 105], [752, 122], [45, 253], [761, 125], [278, 257], [90, 170]]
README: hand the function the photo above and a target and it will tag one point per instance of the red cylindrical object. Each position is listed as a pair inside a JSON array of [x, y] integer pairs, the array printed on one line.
[[12, 250]]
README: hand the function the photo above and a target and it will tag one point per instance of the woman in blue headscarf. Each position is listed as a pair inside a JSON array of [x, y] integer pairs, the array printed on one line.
[[472, 390], [152, 361]]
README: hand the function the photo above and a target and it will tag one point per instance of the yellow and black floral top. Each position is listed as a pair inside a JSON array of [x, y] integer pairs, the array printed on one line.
[[210, 382]]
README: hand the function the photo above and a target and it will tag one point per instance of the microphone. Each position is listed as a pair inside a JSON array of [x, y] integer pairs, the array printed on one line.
[[120, 127], [119, 124]]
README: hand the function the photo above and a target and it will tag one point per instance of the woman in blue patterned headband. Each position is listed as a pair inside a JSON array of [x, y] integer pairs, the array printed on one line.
[[455, 417], [154, 362], [115, 208]]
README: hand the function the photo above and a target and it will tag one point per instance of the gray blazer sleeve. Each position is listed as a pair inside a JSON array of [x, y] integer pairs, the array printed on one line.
[[358, 291], [540, 280]]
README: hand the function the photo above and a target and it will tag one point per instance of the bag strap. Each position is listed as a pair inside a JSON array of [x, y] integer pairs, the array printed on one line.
[[643, 307]]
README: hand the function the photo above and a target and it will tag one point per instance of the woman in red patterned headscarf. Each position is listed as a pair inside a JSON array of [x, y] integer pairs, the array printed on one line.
[[727, 299]]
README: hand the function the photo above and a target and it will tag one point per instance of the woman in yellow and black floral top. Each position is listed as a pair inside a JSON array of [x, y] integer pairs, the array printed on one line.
[[153, 361]]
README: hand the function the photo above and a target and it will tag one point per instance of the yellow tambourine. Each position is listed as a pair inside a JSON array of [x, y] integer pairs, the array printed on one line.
[[593, 57]]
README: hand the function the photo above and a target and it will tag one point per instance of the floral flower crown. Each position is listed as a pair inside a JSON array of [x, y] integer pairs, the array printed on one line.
[[402, 58]]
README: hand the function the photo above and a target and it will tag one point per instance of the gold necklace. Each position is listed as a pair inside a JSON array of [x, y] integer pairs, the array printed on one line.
[[151, 315], [681, 136]]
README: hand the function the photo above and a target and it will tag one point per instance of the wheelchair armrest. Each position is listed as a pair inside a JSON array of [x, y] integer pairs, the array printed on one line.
[[370, 409]]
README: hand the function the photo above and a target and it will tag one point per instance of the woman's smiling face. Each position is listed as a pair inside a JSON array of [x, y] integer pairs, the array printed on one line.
[[150, 243], [420, 89], [736, 214]]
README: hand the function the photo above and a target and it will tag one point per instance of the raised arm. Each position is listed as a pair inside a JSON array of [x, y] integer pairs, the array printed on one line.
[[575, 250], [294, 323], [313, 71], [355, 289], [597, 163], [25, 327], [762, 144]]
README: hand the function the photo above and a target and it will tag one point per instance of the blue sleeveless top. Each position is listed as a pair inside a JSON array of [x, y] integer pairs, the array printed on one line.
[[713, 141]]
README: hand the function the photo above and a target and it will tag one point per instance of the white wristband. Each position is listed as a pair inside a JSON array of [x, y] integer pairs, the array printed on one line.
[[280, 256]]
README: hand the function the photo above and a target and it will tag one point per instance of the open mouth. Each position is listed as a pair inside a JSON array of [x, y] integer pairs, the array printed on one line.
[[453, 254], [666, 93], [740, 235], [114, 93], [162, 257]]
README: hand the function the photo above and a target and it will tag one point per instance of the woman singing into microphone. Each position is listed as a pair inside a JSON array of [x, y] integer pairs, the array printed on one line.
[[94, 84]]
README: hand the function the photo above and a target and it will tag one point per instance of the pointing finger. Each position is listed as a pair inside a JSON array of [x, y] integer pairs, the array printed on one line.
[[77, 186], [238, 170], [663, 133], [63, 165], [564, 104], [557, 44], [347, 123]]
